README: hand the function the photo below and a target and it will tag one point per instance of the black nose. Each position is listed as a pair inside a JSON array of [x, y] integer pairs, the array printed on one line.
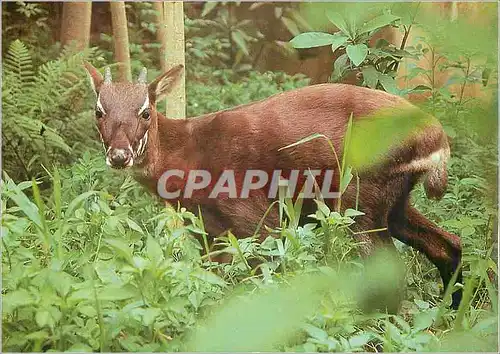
[[120, 158]]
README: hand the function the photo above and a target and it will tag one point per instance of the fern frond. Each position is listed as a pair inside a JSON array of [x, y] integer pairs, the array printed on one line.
[[18, 69], [38, 133], [56, 81]]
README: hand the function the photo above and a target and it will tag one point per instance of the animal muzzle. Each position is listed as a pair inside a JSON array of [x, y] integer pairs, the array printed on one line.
[[119, 158]]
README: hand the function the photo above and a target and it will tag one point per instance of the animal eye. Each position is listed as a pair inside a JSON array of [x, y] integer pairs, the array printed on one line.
[[146, 115], [98, 113]]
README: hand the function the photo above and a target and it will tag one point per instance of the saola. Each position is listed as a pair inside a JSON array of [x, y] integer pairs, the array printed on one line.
[[251, 136]]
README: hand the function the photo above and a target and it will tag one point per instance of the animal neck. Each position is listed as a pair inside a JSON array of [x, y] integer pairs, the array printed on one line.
[[167, 148]]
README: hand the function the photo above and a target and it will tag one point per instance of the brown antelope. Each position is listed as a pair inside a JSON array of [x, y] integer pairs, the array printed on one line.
[[250, 137]]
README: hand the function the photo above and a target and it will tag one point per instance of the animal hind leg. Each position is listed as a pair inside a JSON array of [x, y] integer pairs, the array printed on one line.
[[442, 248]]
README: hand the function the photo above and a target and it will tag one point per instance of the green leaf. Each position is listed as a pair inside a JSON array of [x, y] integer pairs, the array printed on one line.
[[312, 39], [88, 311], [209, 277], [57, 193], [61, 282], [370, 75], [290, 25], [43, 318], [133, 225], [423, 305], [359, 340], [421, 88], [38, 335], [14, 299], [79, 348], [27, 206], [149, 315], [338, 41], [41, 211], [378, 22], [208, 7], [339, 67], [352, 212], [123, 249], [115, 293], [315, 332], [416, 71], [388, 83], [154, 251], [339, 22], [357, 53], [304, 140], [240, 41], [467, 231], [81, 294], [423, 320], [77, 201], [346, 179], [325, 210]]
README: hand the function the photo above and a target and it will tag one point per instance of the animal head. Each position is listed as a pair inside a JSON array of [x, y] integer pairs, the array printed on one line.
[[125, 112]]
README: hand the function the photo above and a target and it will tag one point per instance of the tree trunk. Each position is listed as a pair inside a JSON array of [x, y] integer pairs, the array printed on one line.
[[173, 16], [120, 36], [75, 24], [161, 34]]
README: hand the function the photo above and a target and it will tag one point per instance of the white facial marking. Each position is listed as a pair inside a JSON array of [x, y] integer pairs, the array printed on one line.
[[139, 148], [142, 145], [145, 105], [145, 141], [99, 105]]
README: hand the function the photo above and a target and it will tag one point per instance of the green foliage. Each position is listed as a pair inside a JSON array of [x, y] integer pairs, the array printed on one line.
[[223, 89], [224, 30], [87, 267], [378, 63], [275, 315], [42, 110], [227, 35], [29, 22], [93, 278]]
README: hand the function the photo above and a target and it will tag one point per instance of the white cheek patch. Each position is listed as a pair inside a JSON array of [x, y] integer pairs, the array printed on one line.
[[145, 105]]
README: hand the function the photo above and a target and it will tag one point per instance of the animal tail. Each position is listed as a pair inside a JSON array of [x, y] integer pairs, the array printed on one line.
[[436, 178]]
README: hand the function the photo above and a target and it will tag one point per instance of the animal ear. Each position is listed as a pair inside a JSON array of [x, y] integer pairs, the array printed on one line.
[[164, 83], [96, 79]]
